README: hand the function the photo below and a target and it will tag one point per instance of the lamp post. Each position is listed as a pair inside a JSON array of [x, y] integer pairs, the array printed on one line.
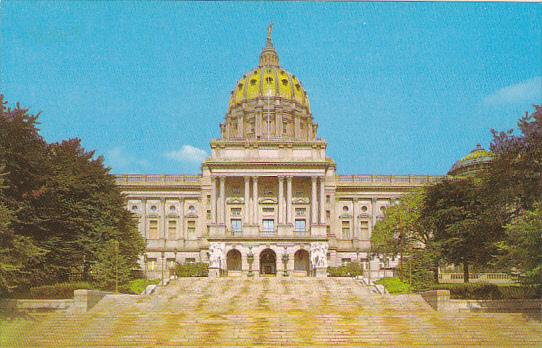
[[285, 258], [250, 260]]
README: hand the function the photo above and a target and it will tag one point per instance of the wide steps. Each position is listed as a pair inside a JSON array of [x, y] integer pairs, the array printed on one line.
[[270, 311]]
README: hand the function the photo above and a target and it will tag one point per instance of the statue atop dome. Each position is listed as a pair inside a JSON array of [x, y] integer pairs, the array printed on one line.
[[269, 30]]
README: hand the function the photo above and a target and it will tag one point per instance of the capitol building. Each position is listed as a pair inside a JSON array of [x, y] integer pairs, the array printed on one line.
[[268, 200]]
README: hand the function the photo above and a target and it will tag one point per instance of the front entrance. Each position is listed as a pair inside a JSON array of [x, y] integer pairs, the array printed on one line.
[[268, 262], [301, 263], [233, 261]]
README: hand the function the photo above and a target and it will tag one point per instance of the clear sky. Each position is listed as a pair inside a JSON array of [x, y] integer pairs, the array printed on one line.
[[396, 88]]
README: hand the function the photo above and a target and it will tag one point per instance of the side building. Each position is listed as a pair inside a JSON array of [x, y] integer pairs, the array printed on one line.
[[268, 199]]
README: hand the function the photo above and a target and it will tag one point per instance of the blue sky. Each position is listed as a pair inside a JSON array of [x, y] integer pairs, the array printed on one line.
[[396, 88]]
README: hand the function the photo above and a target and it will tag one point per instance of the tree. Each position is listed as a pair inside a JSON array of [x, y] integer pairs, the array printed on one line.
[[464, 229], [111, 269], [515, 174], [60, 199], [522, 247], [403, 231]]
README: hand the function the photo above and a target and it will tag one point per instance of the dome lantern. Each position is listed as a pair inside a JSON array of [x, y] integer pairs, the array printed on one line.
[[269, 56]]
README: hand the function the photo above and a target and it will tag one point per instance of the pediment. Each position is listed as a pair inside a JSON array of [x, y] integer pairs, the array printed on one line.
[[235, 200], [268, 200], [300, 200]]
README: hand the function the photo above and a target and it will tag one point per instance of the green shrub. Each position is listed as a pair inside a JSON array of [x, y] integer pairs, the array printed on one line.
[[351, 269], [192, 270], [394, 285], [58, 291], [485, 291], [137, 286]]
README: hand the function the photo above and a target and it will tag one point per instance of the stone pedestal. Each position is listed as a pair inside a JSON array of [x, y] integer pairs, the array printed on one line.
[[321, 272], [214, 273]]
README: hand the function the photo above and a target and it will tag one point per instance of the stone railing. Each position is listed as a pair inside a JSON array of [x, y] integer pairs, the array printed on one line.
[[495, 278], [440, 300], [389, 179], [157, 179]]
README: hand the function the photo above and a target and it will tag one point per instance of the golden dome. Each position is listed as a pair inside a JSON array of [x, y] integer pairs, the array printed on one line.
[[269, 79]]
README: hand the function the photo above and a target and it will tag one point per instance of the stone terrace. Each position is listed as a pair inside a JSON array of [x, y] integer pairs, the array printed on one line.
[[267, 311]]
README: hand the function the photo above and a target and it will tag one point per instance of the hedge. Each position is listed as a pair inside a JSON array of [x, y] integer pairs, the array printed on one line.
[[394, 285], [192, 270], [351, 269], [486, 291], [58, 291], [137, 286]]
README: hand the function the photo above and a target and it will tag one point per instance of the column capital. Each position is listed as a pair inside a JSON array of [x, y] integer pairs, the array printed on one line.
[[255, 178], [314, 178], [281, 177], [222, 178], [247, 178], [289, 178]]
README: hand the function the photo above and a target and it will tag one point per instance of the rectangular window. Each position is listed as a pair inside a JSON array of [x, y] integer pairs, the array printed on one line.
[[345, 261], [208, 215], [284, 127], [236, 225], [153, 229], [171, 263], [151, 264], [190, 260], [191, 229], [300, 225], [299, 211], [268, 225], [346, 229], [236, 212], [328, 215], [364, 229], [172, 229], [236, 190]]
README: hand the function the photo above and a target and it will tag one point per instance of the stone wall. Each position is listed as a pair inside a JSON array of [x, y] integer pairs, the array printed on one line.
[[440, 301], [16, 305], [84, 300]]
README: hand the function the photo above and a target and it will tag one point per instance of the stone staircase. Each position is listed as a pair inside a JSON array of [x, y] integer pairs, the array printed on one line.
[[267, 311]]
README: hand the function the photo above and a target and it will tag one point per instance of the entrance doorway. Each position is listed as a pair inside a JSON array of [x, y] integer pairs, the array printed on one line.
[[301, 262], [268, 262], [233, 260]]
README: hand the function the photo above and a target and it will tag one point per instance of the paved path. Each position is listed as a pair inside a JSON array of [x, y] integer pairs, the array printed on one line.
[[271, 312]]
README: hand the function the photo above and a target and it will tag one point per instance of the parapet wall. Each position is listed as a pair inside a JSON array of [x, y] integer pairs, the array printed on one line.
[[440, 301]]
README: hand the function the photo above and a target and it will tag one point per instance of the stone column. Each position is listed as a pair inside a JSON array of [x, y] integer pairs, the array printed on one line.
[[322, 201], [355, 212], [144, 220], [222, 199], [278, 124], [240, 125], [373, 212], [163, 218], [213, 200], [314, 208], [281, 200], [289, 199], [246, 213], [255, 200], [181, 219]]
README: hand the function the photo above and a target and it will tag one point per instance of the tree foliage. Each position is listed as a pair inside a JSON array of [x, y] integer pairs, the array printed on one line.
[[58, 208]]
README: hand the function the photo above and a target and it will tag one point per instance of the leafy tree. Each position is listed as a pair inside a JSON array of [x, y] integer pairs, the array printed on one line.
[[522, 247], [515, 174], [111, 269], [465, 231], [60, 203], [404, 227]]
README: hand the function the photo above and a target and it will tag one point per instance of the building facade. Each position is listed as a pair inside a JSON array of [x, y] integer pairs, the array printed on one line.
[[268, 199]]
